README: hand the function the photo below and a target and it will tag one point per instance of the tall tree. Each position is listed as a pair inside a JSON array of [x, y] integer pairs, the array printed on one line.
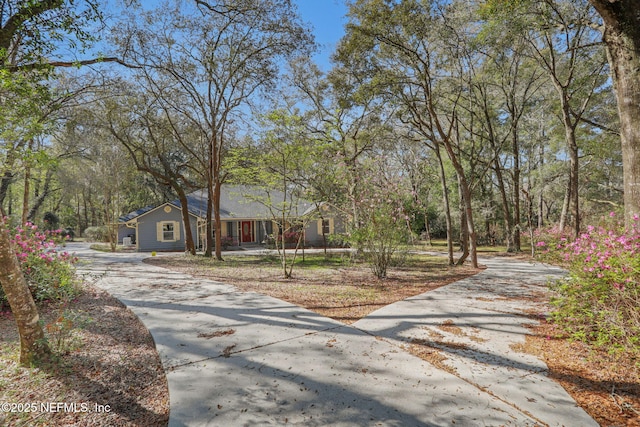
[[349, 126], [216, 57], [621, 34], [30, 33], [158, 144], [564, 46], [413, 53]]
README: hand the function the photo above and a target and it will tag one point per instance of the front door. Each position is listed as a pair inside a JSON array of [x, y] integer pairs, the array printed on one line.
[[246, 231]]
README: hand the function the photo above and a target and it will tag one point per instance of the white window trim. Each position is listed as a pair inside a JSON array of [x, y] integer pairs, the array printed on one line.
[[160, 231]]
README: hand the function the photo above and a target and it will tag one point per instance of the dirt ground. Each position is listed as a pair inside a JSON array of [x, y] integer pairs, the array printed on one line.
[[106, 371]]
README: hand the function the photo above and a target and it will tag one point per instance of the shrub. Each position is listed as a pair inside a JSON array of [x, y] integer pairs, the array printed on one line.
[[599, 301], [49, 273], [227, 241], [97, 234]]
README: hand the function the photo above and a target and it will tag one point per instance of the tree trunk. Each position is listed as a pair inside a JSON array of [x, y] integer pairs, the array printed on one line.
[[622, 38], [46, 191], [217, 222], [464, 228], [565, 206], [466, 196], [5, 182], [541, 194], [33, 344], [574, 163], [505, 208], [208, 251], [516, 191], [447, 206], [186, 220], [25, 195]]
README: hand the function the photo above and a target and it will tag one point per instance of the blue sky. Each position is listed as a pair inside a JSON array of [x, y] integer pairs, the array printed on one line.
[[327, 17]]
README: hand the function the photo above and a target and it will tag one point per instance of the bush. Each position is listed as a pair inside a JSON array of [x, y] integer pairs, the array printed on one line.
[[599, 301], [49, 274], [227, 241], [97, 234]]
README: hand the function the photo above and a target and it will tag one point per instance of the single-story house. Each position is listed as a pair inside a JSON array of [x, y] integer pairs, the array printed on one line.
[[246, 220]]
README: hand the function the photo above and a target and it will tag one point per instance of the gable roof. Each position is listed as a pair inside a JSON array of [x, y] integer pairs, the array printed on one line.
[[131, 215], [236, 202], [146, 210]]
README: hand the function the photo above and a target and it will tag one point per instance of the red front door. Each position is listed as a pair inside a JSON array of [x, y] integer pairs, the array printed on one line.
[[246, 231]]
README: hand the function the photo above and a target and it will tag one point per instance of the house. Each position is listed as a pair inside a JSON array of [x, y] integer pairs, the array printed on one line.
[[244, 212]]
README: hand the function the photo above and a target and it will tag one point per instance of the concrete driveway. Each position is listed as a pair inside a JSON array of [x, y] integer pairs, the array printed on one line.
[[246, 359]]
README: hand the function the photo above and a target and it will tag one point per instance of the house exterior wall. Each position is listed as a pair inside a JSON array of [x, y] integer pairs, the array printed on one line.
[[163, 230], [124, 231], [260, 230], [313, 231]]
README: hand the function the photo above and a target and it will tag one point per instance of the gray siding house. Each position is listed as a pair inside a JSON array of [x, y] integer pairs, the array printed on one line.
[[159, 229], [246, 220]]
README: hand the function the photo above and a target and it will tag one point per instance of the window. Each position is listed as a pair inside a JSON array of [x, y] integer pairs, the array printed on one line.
[[168, 231], [325, 226]]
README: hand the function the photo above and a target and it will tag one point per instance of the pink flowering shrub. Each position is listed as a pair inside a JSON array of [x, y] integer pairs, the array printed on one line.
[[49, 273], [599, 301]]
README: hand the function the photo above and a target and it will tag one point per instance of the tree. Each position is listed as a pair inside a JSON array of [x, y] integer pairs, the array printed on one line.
[[206, 63], [414, 54], [565, 49], [346, 128], [30, 32], [33, 345], [621, 34], [158, 144], [278, 164]]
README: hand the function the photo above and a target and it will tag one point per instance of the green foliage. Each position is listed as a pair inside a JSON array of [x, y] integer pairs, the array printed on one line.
[[43, 28], [599, 301], [97, 233], [49, 273], [382, 226]]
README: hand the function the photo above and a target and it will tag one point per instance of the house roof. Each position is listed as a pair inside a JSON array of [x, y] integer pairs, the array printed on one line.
[[131, 215], [236, 202], [244, 202]]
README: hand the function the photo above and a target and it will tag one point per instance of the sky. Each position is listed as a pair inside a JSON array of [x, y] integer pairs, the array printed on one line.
[[327, 18]]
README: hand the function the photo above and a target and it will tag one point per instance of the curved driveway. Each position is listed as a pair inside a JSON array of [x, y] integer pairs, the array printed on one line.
[[245, 359]]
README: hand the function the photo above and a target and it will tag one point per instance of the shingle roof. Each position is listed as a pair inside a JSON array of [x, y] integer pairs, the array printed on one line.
[[242, 201], [236, 202], [135, 214]]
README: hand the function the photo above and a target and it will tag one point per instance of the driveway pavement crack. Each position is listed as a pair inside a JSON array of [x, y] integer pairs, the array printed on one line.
[[228, 351]]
